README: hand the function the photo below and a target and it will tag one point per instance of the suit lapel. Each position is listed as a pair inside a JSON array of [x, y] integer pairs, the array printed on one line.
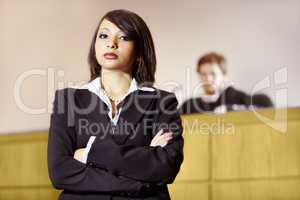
[[134, 109], [91, 107]]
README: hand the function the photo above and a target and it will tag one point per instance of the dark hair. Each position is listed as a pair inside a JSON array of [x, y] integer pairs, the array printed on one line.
[[136, 29], [212, 58]]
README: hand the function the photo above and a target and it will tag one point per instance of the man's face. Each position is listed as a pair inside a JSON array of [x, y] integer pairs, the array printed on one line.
[[212, 78]]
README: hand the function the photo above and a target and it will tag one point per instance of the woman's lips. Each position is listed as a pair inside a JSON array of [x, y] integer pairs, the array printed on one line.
[[110, 56]]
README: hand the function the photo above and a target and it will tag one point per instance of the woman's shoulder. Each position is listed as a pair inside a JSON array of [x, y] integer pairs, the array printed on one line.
[[163, 97], [70, 94], [163, 94], [68, 91]]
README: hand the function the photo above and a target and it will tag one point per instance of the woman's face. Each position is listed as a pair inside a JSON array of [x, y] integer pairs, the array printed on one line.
[[114, 50], [211, 77]]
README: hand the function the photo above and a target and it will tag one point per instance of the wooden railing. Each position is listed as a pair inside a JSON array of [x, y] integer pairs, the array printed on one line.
[[238, 155]]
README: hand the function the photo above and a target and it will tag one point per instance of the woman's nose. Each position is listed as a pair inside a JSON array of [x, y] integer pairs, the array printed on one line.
[[112, 43]]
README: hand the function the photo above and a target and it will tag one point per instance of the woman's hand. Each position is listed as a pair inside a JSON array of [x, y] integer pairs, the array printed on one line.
[[80, 155], [161, 139]]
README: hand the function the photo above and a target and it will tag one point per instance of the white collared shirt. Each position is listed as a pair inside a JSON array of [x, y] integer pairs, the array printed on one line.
[[96, 87]]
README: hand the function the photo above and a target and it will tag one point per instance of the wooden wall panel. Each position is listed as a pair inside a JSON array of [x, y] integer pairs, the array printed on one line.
[[189, 191], [254, 161], [257, 190]]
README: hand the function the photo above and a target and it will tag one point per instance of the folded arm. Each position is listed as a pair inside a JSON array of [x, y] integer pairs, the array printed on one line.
[[69, 174], [149, 164]]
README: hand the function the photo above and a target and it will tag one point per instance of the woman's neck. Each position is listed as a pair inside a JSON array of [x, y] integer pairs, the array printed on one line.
[[116, 83]]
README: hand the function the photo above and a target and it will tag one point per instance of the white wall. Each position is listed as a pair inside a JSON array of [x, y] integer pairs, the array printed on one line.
[[257, 37]]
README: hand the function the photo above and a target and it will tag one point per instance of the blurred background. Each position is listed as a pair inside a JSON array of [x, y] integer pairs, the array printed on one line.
[[258, 38]]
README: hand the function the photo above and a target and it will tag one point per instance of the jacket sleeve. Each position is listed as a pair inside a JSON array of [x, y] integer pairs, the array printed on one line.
[[151, 164], [69, 174]]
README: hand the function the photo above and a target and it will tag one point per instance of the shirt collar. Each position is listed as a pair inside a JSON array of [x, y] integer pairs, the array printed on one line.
[[95, 87]]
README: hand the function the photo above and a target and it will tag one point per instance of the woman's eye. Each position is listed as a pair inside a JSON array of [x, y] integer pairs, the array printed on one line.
[[124, 37], [102, 36]]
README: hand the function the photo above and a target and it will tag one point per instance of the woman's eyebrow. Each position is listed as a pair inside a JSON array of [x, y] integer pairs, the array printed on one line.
[[121, 33], [104, 28]]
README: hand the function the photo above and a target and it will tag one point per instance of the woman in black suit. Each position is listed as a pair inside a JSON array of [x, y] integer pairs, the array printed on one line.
[[117, 137]]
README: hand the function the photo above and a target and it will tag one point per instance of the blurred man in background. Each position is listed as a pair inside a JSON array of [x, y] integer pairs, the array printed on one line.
[[218, 95]]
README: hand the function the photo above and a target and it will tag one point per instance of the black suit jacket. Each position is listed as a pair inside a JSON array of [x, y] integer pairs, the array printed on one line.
[[228, 98], [120, 164]]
